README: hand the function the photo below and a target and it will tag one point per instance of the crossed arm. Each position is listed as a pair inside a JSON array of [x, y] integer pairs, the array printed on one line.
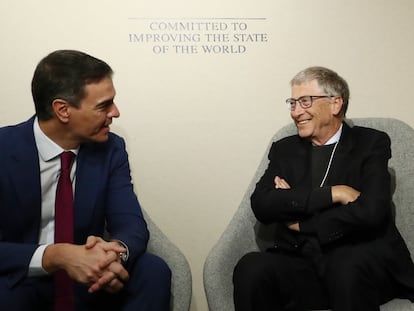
[[340, 194]]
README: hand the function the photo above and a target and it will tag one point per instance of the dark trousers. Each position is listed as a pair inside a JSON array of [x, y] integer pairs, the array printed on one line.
[[147, 289], [348, 279]]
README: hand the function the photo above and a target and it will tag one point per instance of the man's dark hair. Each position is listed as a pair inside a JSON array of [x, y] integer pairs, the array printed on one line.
[[63, 74]]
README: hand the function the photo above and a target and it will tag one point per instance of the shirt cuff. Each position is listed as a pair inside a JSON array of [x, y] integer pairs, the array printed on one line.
[[35, 266], [124, 246]]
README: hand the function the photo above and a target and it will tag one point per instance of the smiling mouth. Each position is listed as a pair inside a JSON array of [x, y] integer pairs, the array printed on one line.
[[302, 122]]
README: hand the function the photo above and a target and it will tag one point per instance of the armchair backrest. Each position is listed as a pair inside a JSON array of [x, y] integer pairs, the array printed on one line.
[[244, 234]]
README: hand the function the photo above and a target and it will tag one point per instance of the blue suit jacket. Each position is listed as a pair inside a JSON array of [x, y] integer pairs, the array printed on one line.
[[104, 198]]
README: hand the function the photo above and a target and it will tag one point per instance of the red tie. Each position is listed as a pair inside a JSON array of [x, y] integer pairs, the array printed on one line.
[[64, 290]]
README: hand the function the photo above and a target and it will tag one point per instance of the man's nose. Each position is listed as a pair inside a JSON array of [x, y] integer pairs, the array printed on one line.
[[114, 112]]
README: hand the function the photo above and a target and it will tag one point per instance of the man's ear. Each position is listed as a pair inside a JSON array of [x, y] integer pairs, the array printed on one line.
[[61, 108], [337, 105]]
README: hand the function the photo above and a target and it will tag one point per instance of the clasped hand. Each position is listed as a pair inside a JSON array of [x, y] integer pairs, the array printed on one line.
[[95, 264]]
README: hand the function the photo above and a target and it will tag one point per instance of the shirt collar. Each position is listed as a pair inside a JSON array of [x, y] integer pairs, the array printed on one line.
[[336, 137], [46, 147]]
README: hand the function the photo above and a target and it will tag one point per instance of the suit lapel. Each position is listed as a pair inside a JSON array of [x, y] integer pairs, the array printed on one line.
[[301, 162], [88, 180], [339, 161]]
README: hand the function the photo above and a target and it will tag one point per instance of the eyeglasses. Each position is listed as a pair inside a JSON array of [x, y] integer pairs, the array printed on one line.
[[304, 101]]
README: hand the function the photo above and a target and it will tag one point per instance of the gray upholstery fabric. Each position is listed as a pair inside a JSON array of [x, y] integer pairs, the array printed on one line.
[[244, 234], [181, 287]]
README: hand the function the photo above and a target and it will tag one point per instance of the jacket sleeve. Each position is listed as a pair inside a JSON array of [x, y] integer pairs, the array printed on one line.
[[19, 201], [270, 205], [124, 218]]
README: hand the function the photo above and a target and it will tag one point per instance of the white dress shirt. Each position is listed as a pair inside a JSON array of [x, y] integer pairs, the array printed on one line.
[[49, 161]]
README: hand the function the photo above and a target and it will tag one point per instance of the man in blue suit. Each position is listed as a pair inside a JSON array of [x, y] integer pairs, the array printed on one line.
[[74, 101]]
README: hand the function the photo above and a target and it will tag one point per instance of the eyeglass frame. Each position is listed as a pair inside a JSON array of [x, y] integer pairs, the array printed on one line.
[[291, 102]]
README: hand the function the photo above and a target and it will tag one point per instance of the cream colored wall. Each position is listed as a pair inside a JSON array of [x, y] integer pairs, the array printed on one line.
[[197, 124]]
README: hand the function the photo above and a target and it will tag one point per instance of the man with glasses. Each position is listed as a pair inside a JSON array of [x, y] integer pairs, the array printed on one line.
[[327, 190]]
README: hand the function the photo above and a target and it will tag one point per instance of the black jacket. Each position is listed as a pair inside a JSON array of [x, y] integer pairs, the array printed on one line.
[[360, 161]]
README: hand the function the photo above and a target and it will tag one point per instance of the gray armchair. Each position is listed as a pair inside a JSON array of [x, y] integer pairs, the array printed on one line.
[[181, 287], [244, 234]]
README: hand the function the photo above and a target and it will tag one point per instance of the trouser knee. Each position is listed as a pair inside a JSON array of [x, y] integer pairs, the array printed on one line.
[[151, 271], [247, 270]]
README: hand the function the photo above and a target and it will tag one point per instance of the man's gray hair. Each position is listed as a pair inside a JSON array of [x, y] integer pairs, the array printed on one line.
[[328, 80]]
